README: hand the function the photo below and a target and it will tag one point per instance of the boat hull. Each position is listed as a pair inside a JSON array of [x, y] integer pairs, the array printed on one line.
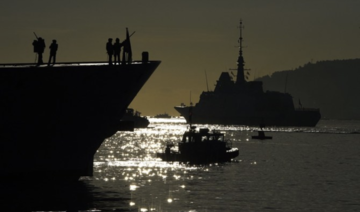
[[301, 117], [200, 157], [53, 119]]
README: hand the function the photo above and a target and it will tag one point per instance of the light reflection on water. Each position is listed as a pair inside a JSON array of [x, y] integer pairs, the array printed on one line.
[[131, 157], [126, 162]]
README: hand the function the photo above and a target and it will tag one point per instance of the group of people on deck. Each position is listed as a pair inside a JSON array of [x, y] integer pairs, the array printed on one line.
[[39, 48], [114, 50]]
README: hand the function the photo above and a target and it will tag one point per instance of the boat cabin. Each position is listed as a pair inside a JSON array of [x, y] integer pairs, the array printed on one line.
[[202, 143], [202, 136], [201, 147]]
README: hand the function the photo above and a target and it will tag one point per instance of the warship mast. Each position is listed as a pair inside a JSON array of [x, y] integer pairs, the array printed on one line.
[[240, 78]]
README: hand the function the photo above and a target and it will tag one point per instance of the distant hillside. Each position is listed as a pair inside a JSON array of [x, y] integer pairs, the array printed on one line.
[[332, 86]]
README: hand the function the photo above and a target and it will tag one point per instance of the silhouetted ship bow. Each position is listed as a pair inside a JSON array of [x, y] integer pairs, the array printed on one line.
[[53, 119], [245, 103]]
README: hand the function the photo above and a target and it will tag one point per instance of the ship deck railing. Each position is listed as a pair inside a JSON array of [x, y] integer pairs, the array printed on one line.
[[60, 64]]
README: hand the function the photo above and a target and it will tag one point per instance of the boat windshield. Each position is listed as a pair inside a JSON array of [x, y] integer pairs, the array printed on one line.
[[216, 137]]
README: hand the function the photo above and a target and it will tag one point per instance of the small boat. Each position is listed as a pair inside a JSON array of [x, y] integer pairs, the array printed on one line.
[[261, 134], [163, 115], [200, 146], [136, 118]]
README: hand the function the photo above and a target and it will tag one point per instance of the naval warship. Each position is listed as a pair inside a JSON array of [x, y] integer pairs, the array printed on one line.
[[242, 102], [54, 118]]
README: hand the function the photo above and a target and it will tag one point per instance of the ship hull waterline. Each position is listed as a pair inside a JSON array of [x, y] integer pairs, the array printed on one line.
[[300, 117]]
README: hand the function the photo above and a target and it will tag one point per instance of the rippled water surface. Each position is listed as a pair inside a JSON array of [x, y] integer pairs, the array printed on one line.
[[300, 169]]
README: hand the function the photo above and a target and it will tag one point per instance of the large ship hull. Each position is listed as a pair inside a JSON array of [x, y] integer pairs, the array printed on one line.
[[298, 117], [53, 119]]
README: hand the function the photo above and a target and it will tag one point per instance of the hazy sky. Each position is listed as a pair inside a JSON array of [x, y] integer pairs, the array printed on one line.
[[189, 37]]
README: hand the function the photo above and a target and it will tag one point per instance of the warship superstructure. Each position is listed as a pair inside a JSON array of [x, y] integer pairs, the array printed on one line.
[[242, 102]]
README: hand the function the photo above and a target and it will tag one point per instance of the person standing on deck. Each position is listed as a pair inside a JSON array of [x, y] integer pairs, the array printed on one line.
[[110, 50], [53, 48], [39, 47], [117, 51]]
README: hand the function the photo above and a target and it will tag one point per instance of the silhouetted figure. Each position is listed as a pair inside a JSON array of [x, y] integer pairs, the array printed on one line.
[[117, 51], [167, 150], [39, 47], [110, 50], [53, 48], [127, 54], [35, 45]]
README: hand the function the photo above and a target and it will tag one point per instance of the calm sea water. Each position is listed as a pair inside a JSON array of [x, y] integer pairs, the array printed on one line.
[[300, 169]]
